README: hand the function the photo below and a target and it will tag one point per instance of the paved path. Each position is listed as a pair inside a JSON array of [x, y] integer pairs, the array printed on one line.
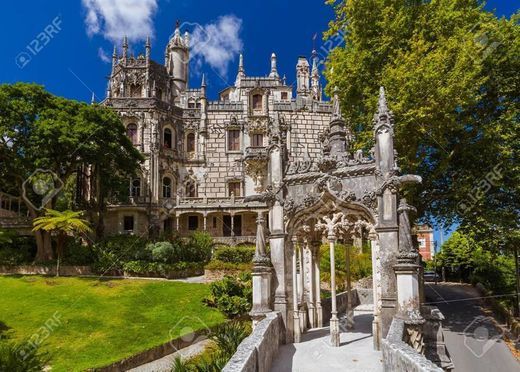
[[474, 343], [314, 353], [165, 364]]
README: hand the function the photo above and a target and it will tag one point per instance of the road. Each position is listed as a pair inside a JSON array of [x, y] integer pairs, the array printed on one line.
[[473, 341]]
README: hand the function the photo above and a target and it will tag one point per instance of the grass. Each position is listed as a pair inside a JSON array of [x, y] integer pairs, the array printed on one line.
[[100, 322]]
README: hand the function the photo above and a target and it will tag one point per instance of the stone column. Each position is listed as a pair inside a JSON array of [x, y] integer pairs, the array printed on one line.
[[317, 283], [310, 282], [177, 224], [232, 225], [334, 322], [350, 310], [376, 291], [262, 274], [296, 313], [205, 215]]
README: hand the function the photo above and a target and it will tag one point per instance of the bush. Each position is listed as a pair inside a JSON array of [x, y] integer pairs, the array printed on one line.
[[232, 295], [198, 248], [124, 247], [228, 266], [161, 251], [17, 250], [78, 253], [234, 254], [21, 357], [151, 268]]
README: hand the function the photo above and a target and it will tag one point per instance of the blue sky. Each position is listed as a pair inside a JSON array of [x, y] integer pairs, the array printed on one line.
[[79, 34], [69, 62]]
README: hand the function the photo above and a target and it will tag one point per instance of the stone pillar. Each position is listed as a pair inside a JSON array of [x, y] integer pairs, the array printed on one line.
[[262, 274], [296, 312], [177, 224], [350, 310], [232, 225], [310, 282], [301, 279], [334, 322], [376, 291], [317, 283], [205, 216]]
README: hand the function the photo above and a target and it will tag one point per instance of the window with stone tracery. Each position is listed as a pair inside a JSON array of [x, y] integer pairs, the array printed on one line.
[[131, 133], [168, 138], [167, 187], [257, 140], [257, 102], [135, 188], [190, 142], [233, 140]]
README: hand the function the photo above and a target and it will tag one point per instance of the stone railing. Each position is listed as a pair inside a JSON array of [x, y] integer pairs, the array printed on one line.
[[399, 356], [234, 240], [256, 352]]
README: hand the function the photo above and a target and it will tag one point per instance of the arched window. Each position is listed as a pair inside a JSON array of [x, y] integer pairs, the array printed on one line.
[[191, 103], [168, 138], [131, 133], [257, 102], [135, 188], [191, 189], [167, 187], [190, 142]]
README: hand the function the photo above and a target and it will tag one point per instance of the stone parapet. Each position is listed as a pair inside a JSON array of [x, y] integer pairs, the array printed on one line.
[[256, 352], [399, 356]]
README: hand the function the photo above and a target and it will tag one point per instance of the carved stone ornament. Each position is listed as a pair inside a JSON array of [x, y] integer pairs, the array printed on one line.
[[369, 199]]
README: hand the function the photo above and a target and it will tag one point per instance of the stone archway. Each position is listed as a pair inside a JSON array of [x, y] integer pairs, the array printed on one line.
[[330, 219]]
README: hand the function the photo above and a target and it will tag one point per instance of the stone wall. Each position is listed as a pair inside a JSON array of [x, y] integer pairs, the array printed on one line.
[[341, 304], [256, 352], [399, 356]]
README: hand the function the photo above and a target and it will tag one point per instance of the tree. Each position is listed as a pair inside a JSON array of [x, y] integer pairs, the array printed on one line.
[[450, 70], [68, 139], [62, 224]]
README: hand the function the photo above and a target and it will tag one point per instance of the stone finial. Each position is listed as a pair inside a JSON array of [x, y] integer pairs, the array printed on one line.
[[274, 71], [241, 72], [125, 47], [336, 109], [383, 117]]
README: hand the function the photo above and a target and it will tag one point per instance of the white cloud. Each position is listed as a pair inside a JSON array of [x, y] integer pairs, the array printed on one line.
[[114, 19], [217, 43], [103, 55]]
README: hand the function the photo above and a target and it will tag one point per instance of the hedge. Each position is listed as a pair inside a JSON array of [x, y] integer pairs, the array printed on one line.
[[235, 255]]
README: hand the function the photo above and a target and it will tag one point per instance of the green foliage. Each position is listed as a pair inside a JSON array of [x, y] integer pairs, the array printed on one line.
[[12, 358], [114, 251], [235, 255], [450, 69], [76, 252], [228, 266], [226, 338], [198, 248], [232, 295], [161, 251], [464, 259], [19, 251], [163, 269], [360, 264]]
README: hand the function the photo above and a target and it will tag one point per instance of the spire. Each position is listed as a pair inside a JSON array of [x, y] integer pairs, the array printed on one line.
[[241, 71], [315, 77], [274, 71], [203, 86], [384, 116], [114, 59], [125, 48], [93, 99]]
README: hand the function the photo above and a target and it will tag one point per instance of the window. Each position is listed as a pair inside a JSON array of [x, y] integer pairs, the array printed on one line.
[[214, 222], [257, 102], [158, 94], [233, 140], [131, 133], [284, 96], [257, 140], [191, 104], [135, 189], [167, 138], [191, 189], [190, 142], [167, 187], [135, 91], [128, 223], [422, 243], [234, 188], [193, 223]]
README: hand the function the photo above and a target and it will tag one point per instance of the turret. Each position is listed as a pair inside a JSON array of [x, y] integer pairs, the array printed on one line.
[[274, 71], [177, 57], [302, 77], [148, 49], [337, 135]]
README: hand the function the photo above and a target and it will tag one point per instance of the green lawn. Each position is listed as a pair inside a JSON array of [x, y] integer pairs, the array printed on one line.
[[101, 321]]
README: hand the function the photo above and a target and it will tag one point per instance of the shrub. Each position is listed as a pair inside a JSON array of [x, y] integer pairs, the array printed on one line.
[[78, 253], [232, 295], [159, 268], [125, 247], [228, 266], [17, 250], [21, 357], [234, 254], [198, 248], [161, 251]]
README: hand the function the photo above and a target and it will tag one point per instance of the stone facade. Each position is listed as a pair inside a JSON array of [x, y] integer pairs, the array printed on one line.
[[204, 157]]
